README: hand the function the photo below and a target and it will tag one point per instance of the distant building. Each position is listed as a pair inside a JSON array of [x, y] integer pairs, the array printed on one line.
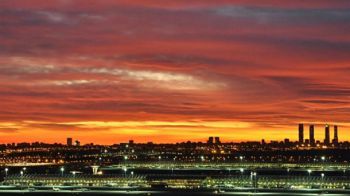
[[217, 140], [77, 143], [312, 135], [211, 140], [326, 135], [286, 141], [335, 139], [301, 133], [69, 141]]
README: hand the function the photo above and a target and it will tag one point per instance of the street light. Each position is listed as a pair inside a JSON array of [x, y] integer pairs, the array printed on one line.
[[309, 171], [62, 170], [253, 178], [74, 174], [125, 170], [322, 177], [202, 158], [21, 173], [132, 173], [6, 171], [241, 170], [241, 158]]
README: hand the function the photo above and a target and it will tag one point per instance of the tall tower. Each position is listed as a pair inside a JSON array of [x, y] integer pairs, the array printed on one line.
[[217, 140], [210, 140], [69, 141], [301, 133], [335, 139], [312, 134], [326, 135]]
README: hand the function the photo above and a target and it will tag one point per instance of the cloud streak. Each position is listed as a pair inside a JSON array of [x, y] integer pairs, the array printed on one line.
[[196, 68]]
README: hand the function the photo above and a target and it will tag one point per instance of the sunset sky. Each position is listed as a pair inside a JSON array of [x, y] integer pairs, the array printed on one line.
[[108, 71]]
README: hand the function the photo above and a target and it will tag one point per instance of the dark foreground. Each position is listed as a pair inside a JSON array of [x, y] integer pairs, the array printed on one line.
[[173, 192]]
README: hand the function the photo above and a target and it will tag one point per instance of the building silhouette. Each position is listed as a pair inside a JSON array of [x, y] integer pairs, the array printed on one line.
[[326, 135], [335, 139], [312, 134], [217, 140], [301, 133], [69, 141], [211, 140]]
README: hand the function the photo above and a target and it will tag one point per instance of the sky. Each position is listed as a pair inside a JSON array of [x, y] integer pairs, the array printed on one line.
[[172, 70]]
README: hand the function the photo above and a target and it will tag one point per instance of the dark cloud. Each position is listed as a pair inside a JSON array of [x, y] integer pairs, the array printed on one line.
[[269, 64], [284, 17]]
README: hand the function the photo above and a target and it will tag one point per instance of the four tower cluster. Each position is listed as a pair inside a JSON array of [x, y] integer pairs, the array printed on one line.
[[312, 141]]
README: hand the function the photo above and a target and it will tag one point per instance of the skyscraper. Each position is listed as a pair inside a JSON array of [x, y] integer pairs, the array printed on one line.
[[335, 139], [326, 137], [211, 140], [301, 133], [69, 141], [217, 140], [312, 134]]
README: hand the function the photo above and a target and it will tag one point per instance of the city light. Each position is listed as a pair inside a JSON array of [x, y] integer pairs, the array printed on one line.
[[62, 170], [241, 170], [186, 163], [6, 171], [309, 171]]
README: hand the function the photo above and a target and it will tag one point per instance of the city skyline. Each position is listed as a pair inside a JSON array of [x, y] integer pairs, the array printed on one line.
[[304, 137], [168, 71]]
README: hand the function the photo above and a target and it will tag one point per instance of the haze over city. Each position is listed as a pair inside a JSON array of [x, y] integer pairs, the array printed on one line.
[[171, 71]]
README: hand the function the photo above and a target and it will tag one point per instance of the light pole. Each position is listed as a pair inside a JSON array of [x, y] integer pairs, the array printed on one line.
[[172, 168], [62, 170], [309, 171], [241, 170], [322, 177], [253, 178], [125, 170], [21, 173], [74, 174], [125, 159], [6, 171]]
